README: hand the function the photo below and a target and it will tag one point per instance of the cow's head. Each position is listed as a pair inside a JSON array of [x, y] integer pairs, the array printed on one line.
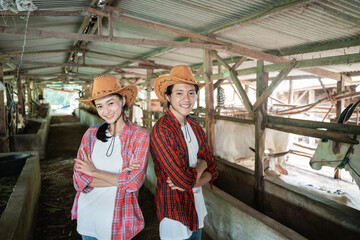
[[328, 152]]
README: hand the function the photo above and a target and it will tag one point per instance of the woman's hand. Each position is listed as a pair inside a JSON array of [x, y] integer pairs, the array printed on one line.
[[132, 166], [85, 165], [172, 186]]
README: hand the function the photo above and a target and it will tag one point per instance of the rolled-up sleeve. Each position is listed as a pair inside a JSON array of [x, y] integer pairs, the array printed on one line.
[[131, 181], [81, 180]]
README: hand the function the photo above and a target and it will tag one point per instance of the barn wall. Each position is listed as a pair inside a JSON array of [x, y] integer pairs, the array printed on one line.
[[229, 218], [299, 210], [87, 118], [37, 141], [18, 219]]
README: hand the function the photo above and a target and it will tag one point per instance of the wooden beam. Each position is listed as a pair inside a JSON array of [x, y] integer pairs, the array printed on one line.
[[237, 84], [154, 25], [332, 135], [345, 128], [101, 66], [121, 40], [145, 61], [209, 99], [340, 103], [269, 90], [218, 83], [15, 54], [260, 120], [238, 63], [47, 13], [231, 47]]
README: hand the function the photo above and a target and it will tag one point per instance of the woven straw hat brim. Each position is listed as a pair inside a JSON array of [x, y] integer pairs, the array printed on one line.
[[129, 92], [162, 83]]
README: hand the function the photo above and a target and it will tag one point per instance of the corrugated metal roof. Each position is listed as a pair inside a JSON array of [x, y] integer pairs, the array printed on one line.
[[255, 24]]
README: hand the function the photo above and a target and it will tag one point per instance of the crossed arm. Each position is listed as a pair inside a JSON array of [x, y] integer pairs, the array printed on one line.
[[203, 177], [100, 178]]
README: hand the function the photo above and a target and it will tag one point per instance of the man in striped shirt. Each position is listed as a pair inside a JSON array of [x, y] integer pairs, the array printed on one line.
[[182, 158]]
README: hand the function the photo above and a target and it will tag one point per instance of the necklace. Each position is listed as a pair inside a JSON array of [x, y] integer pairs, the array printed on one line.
[[112, 143], [187, 132]]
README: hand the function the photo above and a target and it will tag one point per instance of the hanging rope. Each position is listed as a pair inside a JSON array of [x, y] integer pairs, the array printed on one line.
[[23, 48]]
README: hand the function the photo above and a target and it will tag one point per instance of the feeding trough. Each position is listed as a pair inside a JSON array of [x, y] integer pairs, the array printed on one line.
[[12, 163]]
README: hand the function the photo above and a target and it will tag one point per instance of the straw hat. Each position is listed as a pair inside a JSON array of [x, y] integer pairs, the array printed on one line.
[[178, 74], [106, 85]]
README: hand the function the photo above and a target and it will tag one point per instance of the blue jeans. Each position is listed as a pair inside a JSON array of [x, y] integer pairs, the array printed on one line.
[[87, 237], [195, 235]]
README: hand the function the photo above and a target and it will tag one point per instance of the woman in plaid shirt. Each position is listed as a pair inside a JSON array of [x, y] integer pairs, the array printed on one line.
[[182, 158], [110, 167]]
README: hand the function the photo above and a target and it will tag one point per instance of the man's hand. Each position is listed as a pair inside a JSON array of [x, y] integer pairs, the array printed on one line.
[[172, 186]]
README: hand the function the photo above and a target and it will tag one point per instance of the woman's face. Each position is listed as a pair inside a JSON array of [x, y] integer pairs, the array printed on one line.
[[110, 107], [182, 100]]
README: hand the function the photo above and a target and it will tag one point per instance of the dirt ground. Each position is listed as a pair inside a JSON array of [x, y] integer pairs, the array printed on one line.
[[57, 191]]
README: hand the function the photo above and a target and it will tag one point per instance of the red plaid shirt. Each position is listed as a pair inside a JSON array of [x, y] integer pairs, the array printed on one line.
[[170, 154], [128, 219]]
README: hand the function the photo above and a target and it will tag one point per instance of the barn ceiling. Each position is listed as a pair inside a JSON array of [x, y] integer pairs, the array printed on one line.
[[70, 42]]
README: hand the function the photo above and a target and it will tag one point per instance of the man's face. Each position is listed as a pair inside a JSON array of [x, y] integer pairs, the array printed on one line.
[[182, 100]]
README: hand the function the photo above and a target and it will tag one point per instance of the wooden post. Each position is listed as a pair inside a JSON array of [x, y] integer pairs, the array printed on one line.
[[4, 144], [21, 104], [209, 99], [260, 119], [149, 73], [339, 107], [28, 101], [339, 104], [291, 92]]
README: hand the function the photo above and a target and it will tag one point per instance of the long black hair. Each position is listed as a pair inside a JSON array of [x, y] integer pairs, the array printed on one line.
[[101, 133], [169, 89]]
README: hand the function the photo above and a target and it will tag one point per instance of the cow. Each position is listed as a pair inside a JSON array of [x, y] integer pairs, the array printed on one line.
[[233, 141], [339, 155]]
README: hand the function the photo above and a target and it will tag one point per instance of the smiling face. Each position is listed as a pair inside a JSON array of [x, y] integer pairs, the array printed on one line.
[[182, 100], [110, 107]]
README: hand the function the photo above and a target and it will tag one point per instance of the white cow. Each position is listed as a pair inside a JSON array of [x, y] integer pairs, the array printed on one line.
[[330, 153], [339, 155], [234, 140]]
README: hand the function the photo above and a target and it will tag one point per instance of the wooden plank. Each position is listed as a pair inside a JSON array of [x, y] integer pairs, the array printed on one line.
[[209, 99], [268, 91]]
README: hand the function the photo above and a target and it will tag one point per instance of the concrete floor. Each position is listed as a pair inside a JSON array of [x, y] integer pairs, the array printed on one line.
[[57, 193]]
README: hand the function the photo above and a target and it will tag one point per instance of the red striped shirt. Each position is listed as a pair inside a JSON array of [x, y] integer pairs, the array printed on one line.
[[128, 219], [170, 154]]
